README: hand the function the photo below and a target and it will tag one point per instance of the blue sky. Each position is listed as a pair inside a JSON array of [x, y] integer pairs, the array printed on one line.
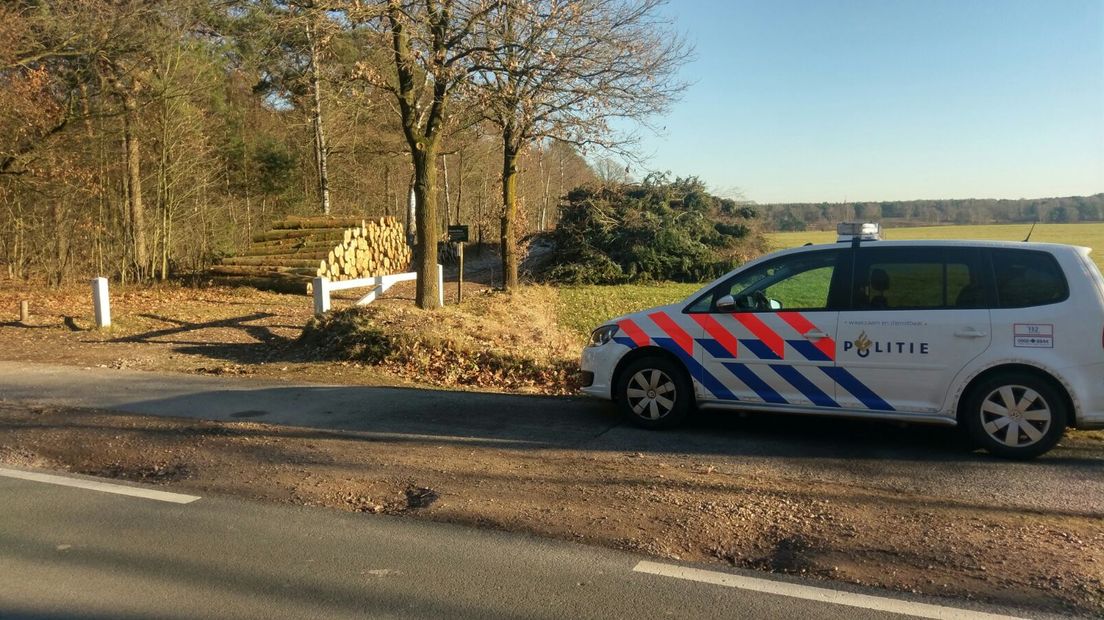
[[834, 100]]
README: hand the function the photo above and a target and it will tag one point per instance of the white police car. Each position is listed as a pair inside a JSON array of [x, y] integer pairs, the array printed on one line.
[[1004, 339]]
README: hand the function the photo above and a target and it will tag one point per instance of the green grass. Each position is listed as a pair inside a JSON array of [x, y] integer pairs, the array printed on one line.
[[582, 308], [1089, 234]]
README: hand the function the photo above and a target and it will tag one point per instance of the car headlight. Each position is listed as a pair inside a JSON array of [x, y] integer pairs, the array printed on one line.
[[602, 335]]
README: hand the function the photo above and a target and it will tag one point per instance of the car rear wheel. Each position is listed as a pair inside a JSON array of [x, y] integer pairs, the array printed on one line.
[[654, 392], [1015, 415]]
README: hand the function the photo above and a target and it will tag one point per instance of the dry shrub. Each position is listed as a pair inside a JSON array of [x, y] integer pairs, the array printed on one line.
[[494, 340]]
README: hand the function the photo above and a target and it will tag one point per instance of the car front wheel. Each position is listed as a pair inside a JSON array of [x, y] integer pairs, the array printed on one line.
[[1015, 415], [654, 392]]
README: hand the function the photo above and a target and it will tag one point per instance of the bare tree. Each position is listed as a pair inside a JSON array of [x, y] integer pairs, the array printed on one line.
[[431, 46], [563, 70], [610, 171], [125, 67], [298, 32], [42, 59], [320, 154]]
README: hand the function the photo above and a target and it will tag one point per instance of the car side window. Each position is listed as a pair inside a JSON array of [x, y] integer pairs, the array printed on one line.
[[917, 278], [1027, 278], [797, 282]]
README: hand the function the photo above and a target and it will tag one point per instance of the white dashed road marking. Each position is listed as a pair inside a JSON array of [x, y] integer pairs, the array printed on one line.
[[810, 593], [96, 485]]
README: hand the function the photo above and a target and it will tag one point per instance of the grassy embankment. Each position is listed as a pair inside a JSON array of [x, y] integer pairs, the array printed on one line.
[[582, 308]]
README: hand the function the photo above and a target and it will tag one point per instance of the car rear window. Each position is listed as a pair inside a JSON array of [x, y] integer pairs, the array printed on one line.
[[1028, 278], [917, 278]]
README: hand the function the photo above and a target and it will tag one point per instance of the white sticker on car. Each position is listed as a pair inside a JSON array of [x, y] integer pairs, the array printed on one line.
[[1033, 335]]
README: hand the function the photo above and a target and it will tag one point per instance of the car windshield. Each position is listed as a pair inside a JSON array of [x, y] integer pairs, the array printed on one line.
[[801, 281]]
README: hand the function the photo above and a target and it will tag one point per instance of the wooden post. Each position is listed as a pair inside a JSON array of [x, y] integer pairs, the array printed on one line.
[[441, 284], [24, 311], [460, 276], [101, 303], [321, 290]]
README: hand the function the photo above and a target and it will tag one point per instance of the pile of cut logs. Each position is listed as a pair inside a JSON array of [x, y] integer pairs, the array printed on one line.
[[299, 249]]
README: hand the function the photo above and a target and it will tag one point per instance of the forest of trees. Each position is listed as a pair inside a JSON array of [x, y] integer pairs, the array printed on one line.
[[825, 216], [141, 139], [145, 139]]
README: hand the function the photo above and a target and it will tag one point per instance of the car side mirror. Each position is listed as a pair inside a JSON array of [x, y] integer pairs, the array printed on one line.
[[726, 303]]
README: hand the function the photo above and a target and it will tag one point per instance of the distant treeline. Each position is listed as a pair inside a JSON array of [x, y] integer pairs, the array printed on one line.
[[823, 216]]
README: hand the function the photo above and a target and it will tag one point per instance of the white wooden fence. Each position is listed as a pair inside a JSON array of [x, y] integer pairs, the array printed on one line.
[[379, 284]]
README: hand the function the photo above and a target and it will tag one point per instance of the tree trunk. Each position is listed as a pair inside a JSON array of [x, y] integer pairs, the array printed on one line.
[[387, 189], [134, 182], [167, 225], [448, 196], [541, 177], [460, 188], [560, 194], [411, 209], [425, 252], [319, 133], [482, 209], [509, 211], [163, 191], [61, 242]]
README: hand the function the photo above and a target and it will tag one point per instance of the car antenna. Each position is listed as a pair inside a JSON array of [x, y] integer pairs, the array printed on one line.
[[1028, 237]]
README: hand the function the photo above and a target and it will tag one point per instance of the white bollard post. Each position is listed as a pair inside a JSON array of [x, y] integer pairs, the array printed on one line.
[[100, 302], [441, 284], [321, 296]]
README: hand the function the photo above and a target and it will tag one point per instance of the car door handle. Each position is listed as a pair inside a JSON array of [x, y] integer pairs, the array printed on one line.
[[815, 334], [970, 332]]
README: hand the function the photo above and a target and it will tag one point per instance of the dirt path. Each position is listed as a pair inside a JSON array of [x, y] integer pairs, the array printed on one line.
[[209, 330]]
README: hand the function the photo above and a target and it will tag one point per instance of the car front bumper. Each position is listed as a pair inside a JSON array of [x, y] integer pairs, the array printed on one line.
[[601, 362]]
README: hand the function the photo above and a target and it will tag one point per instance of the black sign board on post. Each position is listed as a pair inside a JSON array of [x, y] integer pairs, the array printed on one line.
[[458, 234]]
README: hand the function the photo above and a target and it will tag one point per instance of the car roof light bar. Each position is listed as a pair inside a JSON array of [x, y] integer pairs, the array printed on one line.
[[858, 231]]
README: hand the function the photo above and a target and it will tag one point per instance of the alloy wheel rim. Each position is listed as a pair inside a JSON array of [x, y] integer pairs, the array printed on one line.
[[1015, 415], [651, 394]]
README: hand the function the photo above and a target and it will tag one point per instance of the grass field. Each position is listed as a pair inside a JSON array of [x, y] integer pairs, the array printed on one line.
[[582, 308], [1090, 234]]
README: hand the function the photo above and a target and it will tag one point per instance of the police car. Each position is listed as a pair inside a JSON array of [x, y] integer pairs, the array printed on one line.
[[1003, 339]]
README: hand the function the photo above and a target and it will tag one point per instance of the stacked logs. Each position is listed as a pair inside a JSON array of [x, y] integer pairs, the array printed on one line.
[[299, 249]]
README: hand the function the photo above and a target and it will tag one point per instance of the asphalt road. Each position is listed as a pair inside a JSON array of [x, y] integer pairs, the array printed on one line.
[[69, 552], [903, 459], [491, 418]]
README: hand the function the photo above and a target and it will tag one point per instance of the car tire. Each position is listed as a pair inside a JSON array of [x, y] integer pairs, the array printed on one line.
[[655, 393], [1015, 415]]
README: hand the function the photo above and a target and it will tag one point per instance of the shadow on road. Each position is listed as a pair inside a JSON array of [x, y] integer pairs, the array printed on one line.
[[266, 344], [521, 421], [394, 412], [261, 333], [210, 573]]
